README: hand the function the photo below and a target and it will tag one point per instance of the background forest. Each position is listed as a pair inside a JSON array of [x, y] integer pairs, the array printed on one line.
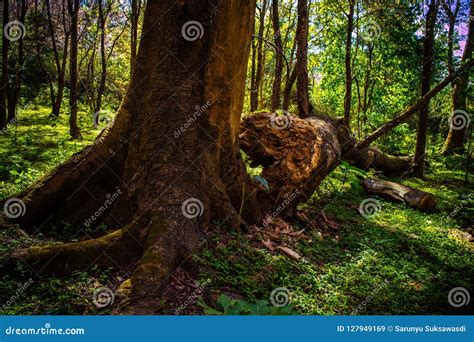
[[66, 66]]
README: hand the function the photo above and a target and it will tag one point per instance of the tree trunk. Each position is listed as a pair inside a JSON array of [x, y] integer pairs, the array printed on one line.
[[59, 62], [278, 57], [426, 74], [412, 109], [74, 130], [135, 17], [414, 198], [103, 59], [15, 88], [459, 120], [4, 80], [258, 78], [348, 64], [304, 106], [169, 179]]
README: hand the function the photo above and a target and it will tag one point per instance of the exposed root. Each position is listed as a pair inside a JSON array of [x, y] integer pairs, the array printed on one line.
[[108, 250]]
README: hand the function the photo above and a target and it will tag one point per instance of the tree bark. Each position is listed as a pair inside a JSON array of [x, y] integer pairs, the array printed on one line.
[[254, 95], [304, 105], [154, 157], [5, 72], [276, 89], [74, 131], [348, 64], [426, 74], [457, 133], [414, 198]]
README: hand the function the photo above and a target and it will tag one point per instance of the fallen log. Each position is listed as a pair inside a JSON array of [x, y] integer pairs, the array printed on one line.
[[297, 154], [414, 198]]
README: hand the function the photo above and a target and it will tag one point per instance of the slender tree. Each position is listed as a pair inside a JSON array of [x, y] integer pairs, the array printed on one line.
[[136, 7], [426, 75], [304, 105], [254, 95], [16, 79], [4, 79], [456, 136], [60, 54], [348, 64], [74, 131], [276, 89]]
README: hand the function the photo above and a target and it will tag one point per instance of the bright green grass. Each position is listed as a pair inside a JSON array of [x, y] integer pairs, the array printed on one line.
[[36, 144], [399, 261]]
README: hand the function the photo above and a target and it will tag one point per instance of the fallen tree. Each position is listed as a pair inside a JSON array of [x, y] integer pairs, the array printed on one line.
[[414, 198], [165, 203]]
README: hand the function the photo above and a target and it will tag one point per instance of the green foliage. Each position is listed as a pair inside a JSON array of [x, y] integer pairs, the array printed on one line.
[[229, 306]]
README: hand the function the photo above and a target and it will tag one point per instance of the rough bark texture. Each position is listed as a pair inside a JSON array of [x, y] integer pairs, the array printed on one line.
[[457, 133], [296, 156], [426, 73], [175, 138], [415, 198]]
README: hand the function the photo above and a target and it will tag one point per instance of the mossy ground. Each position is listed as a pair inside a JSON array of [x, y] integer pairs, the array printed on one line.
[[399, 261]]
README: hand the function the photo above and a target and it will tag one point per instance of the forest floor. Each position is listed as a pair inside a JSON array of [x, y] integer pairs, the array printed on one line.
[[398, 261]]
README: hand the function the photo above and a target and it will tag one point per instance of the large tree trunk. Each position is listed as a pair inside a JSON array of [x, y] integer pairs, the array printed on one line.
[[74, 130], [426, 73], [4, 79], [171, 158], [276, 89], [304, 106], [459, 120], [348, 64]]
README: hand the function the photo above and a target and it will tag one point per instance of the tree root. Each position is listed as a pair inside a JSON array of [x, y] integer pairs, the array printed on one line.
[[108, 250]]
